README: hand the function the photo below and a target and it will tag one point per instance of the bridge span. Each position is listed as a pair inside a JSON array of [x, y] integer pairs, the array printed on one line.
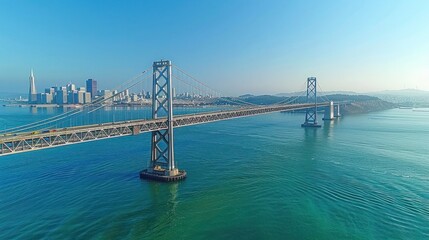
[[34, 141], [162, 164]]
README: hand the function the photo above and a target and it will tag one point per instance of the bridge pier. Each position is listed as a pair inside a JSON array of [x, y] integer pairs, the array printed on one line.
[[311, 113], [162, 166], [337, 111], [329, 112]]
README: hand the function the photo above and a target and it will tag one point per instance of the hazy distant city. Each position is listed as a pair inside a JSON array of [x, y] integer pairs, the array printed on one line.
[[71, 94]]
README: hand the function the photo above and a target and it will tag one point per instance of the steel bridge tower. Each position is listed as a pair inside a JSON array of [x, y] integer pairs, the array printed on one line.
[[311, 114], [162, 165]]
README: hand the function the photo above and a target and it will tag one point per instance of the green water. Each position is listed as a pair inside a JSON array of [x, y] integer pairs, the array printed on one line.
[[263, 177]]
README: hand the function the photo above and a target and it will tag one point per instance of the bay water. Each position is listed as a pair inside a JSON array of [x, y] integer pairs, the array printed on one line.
[[263, 177]]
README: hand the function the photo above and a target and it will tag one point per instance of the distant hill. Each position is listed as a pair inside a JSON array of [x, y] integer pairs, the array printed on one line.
[[366, 106], [346, 97], [264, 99], [356, 103], [320, 93], [270, 99], [288, 94], [403, 92], [246, 96], [405, 97]]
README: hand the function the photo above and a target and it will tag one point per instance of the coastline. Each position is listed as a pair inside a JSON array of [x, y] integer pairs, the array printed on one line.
[[366, 107]]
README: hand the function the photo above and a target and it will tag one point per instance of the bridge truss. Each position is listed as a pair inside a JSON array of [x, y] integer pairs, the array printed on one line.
[[30, 142]]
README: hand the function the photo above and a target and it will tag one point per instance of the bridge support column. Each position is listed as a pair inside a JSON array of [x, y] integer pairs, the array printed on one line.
[[337, 111], [311, 114], [329, 112], [162, 166]]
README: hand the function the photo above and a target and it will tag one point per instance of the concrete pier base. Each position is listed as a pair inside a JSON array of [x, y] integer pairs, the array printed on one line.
[[311, 125], [162, 177], [328, 119], [337, 111], [329, 112]]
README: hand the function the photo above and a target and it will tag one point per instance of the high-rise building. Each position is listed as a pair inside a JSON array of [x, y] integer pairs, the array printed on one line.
[[91, 87], [78, 97], [71, 97], [61, 97], [45, 98], [71, 87], [115, 94], [107, 95], [87, 97], [32, 93], [50, 90]]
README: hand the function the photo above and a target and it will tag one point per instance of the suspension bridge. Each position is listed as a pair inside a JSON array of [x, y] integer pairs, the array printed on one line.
[[91, 122]]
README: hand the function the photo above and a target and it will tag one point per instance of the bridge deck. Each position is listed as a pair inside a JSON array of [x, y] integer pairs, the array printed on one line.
[[28, 142]]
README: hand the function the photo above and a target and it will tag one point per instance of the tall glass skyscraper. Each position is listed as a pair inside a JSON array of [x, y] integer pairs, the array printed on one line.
[[91, 87], [32, 93]]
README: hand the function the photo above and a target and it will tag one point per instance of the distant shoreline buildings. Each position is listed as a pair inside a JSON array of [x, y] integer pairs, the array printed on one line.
[[70, 94]]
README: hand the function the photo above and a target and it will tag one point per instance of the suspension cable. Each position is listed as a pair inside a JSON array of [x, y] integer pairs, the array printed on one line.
[[205, 85], [238, 101], [324, 97]]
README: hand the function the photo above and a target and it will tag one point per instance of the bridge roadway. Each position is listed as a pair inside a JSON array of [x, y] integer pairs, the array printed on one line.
[[24, 142]]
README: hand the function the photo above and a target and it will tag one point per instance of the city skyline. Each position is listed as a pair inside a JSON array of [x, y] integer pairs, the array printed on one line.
[[359, 47], [72, 94]]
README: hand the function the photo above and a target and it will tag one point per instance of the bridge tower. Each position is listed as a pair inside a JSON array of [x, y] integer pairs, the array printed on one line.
[[311, 114], [162, 166]]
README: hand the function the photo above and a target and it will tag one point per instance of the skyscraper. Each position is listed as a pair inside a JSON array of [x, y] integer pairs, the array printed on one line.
[[91, 87], [32, 93], [71, 87]]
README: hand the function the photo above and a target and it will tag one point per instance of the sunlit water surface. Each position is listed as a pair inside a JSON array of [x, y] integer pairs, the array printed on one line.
[[264, 177]]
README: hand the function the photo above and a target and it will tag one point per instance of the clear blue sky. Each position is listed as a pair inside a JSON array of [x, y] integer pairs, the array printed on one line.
[[237, 47]]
